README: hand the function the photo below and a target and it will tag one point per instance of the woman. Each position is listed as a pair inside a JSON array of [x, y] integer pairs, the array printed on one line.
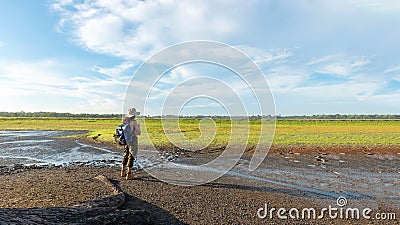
[[131, 131]]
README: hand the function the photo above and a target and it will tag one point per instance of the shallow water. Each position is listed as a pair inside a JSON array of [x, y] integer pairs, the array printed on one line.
[[45, 147], [356, 177]]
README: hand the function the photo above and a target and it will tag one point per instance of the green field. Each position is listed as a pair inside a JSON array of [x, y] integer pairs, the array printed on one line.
[[288, 132]]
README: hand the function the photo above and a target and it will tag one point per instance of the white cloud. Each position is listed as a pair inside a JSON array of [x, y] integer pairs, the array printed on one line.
[[347, 98], [205, 88], [383, 6], [339, 64], [2, 43], [348, 91], [283, 79], [392, 99], [96, 32], [27, 80], [98, 104], [321, 59], [133, 29], [359, 64], [116, 71], [177, 75], [396, 78], [355, 82], [392, 69], [331, 36], [36, 73], [335, 69], [260, 57]]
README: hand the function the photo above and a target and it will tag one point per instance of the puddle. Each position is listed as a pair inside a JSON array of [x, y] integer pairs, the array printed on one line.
[[25, 142], [358, 178], [45, 147]]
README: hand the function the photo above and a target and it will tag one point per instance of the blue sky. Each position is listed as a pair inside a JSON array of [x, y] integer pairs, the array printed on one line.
[[319, 57]]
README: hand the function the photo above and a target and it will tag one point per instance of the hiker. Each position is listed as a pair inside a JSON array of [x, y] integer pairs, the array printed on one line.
[[131, 131]]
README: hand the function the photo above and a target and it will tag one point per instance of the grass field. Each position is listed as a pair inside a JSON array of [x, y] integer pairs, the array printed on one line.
[[288, 132]]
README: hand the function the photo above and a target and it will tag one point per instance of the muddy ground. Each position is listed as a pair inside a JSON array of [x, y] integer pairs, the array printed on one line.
[[288, 178], [228, 200]]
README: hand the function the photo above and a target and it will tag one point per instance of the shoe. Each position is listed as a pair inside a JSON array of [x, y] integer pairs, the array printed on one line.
[[123, 173], [130, 176]]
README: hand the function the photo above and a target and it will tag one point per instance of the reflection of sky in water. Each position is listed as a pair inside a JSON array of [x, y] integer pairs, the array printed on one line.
[[38, 133], [28, 147], [43, 147]]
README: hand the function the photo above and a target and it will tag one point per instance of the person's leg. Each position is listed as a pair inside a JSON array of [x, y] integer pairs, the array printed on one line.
[[125, 160], [129, 175], [135, 147]]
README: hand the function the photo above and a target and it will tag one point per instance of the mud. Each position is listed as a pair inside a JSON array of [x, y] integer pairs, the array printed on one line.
[[286, 178]]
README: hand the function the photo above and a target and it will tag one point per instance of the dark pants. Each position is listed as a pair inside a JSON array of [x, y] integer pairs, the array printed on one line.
[[127, 159], [130, 152]]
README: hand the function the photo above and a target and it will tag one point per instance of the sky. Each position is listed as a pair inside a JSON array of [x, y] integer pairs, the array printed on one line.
[[319, 57]]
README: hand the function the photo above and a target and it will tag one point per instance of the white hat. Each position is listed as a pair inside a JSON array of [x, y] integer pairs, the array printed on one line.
[[132, 112]]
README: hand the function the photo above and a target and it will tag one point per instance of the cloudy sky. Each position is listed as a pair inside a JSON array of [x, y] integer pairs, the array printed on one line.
[[319, 57]]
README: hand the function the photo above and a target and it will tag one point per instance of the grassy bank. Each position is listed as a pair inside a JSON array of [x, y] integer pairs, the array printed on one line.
[[288, 132]]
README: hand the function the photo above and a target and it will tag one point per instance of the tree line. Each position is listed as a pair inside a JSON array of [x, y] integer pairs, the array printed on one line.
[[58, 115], [344, 117], [91, 115]]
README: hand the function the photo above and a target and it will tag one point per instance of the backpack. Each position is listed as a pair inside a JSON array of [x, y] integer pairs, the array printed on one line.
[[119, 135]]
